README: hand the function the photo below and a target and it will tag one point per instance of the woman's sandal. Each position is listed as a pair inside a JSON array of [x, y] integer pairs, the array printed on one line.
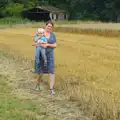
[[52, 92]]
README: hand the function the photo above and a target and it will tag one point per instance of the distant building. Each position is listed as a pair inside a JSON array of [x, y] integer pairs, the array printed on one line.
[[45, 13]]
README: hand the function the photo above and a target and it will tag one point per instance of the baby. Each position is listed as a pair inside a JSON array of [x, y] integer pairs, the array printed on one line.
[[40, 39]]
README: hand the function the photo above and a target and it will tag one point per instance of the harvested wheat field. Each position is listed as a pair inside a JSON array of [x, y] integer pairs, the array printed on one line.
[[87, 69]]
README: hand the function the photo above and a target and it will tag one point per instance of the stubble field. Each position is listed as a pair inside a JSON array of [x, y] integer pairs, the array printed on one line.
[[87, 68]]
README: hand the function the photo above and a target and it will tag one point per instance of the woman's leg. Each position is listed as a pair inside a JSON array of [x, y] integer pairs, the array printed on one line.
[[50, 61], [52, 82], [38, 79]]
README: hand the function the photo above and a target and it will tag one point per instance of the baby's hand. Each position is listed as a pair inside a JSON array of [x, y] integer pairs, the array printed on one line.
[[39, 41]]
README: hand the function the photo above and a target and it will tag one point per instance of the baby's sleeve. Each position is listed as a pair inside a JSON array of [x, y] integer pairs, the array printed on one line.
[[36, 38], [44, 39]]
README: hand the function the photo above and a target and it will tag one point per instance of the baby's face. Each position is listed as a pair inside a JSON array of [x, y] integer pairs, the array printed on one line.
[[40, 34]]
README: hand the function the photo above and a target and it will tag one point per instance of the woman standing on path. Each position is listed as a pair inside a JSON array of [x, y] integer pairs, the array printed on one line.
[[40, 69]]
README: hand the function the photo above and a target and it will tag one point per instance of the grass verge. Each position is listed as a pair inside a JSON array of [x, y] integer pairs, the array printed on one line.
[[12, 108]]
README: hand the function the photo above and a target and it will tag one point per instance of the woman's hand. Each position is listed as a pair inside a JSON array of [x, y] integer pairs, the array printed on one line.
[[49, 45], [44, 45]]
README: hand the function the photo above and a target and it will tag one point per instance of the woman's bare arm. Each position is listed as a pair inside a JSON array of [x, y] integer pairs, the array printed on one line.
[[49, 45], [52, 45]]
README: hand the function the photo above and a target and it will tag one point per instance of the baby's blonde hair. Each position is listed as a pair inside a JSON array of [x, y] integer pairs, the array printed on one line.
[[41, 30]]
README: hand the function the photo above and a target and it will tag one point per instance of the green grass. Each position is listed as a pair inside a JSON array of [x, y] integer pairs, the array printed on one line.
[[13, 20], [12, 108], [3, 54]]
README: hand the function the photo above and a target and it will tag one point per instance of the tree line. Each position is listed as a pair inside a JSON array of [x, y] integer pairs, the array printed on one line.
[[102, 10]]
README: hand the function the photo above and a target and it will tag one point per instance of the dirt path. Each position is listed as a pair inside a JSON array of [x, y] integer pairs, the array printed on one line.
[[23, 85]]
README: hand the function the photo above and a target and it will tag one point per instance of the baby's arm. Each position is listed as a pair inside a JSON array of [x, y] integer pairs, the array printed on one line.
[[36, 38]]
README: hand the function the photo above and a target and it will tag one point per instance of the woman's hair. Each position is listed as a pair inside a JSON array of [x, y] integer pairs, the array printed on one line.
[[50, 22]]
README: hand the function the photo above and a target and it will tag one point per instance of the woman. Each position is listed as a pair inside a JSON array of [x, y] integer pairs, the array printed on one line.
[[39, 65]]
